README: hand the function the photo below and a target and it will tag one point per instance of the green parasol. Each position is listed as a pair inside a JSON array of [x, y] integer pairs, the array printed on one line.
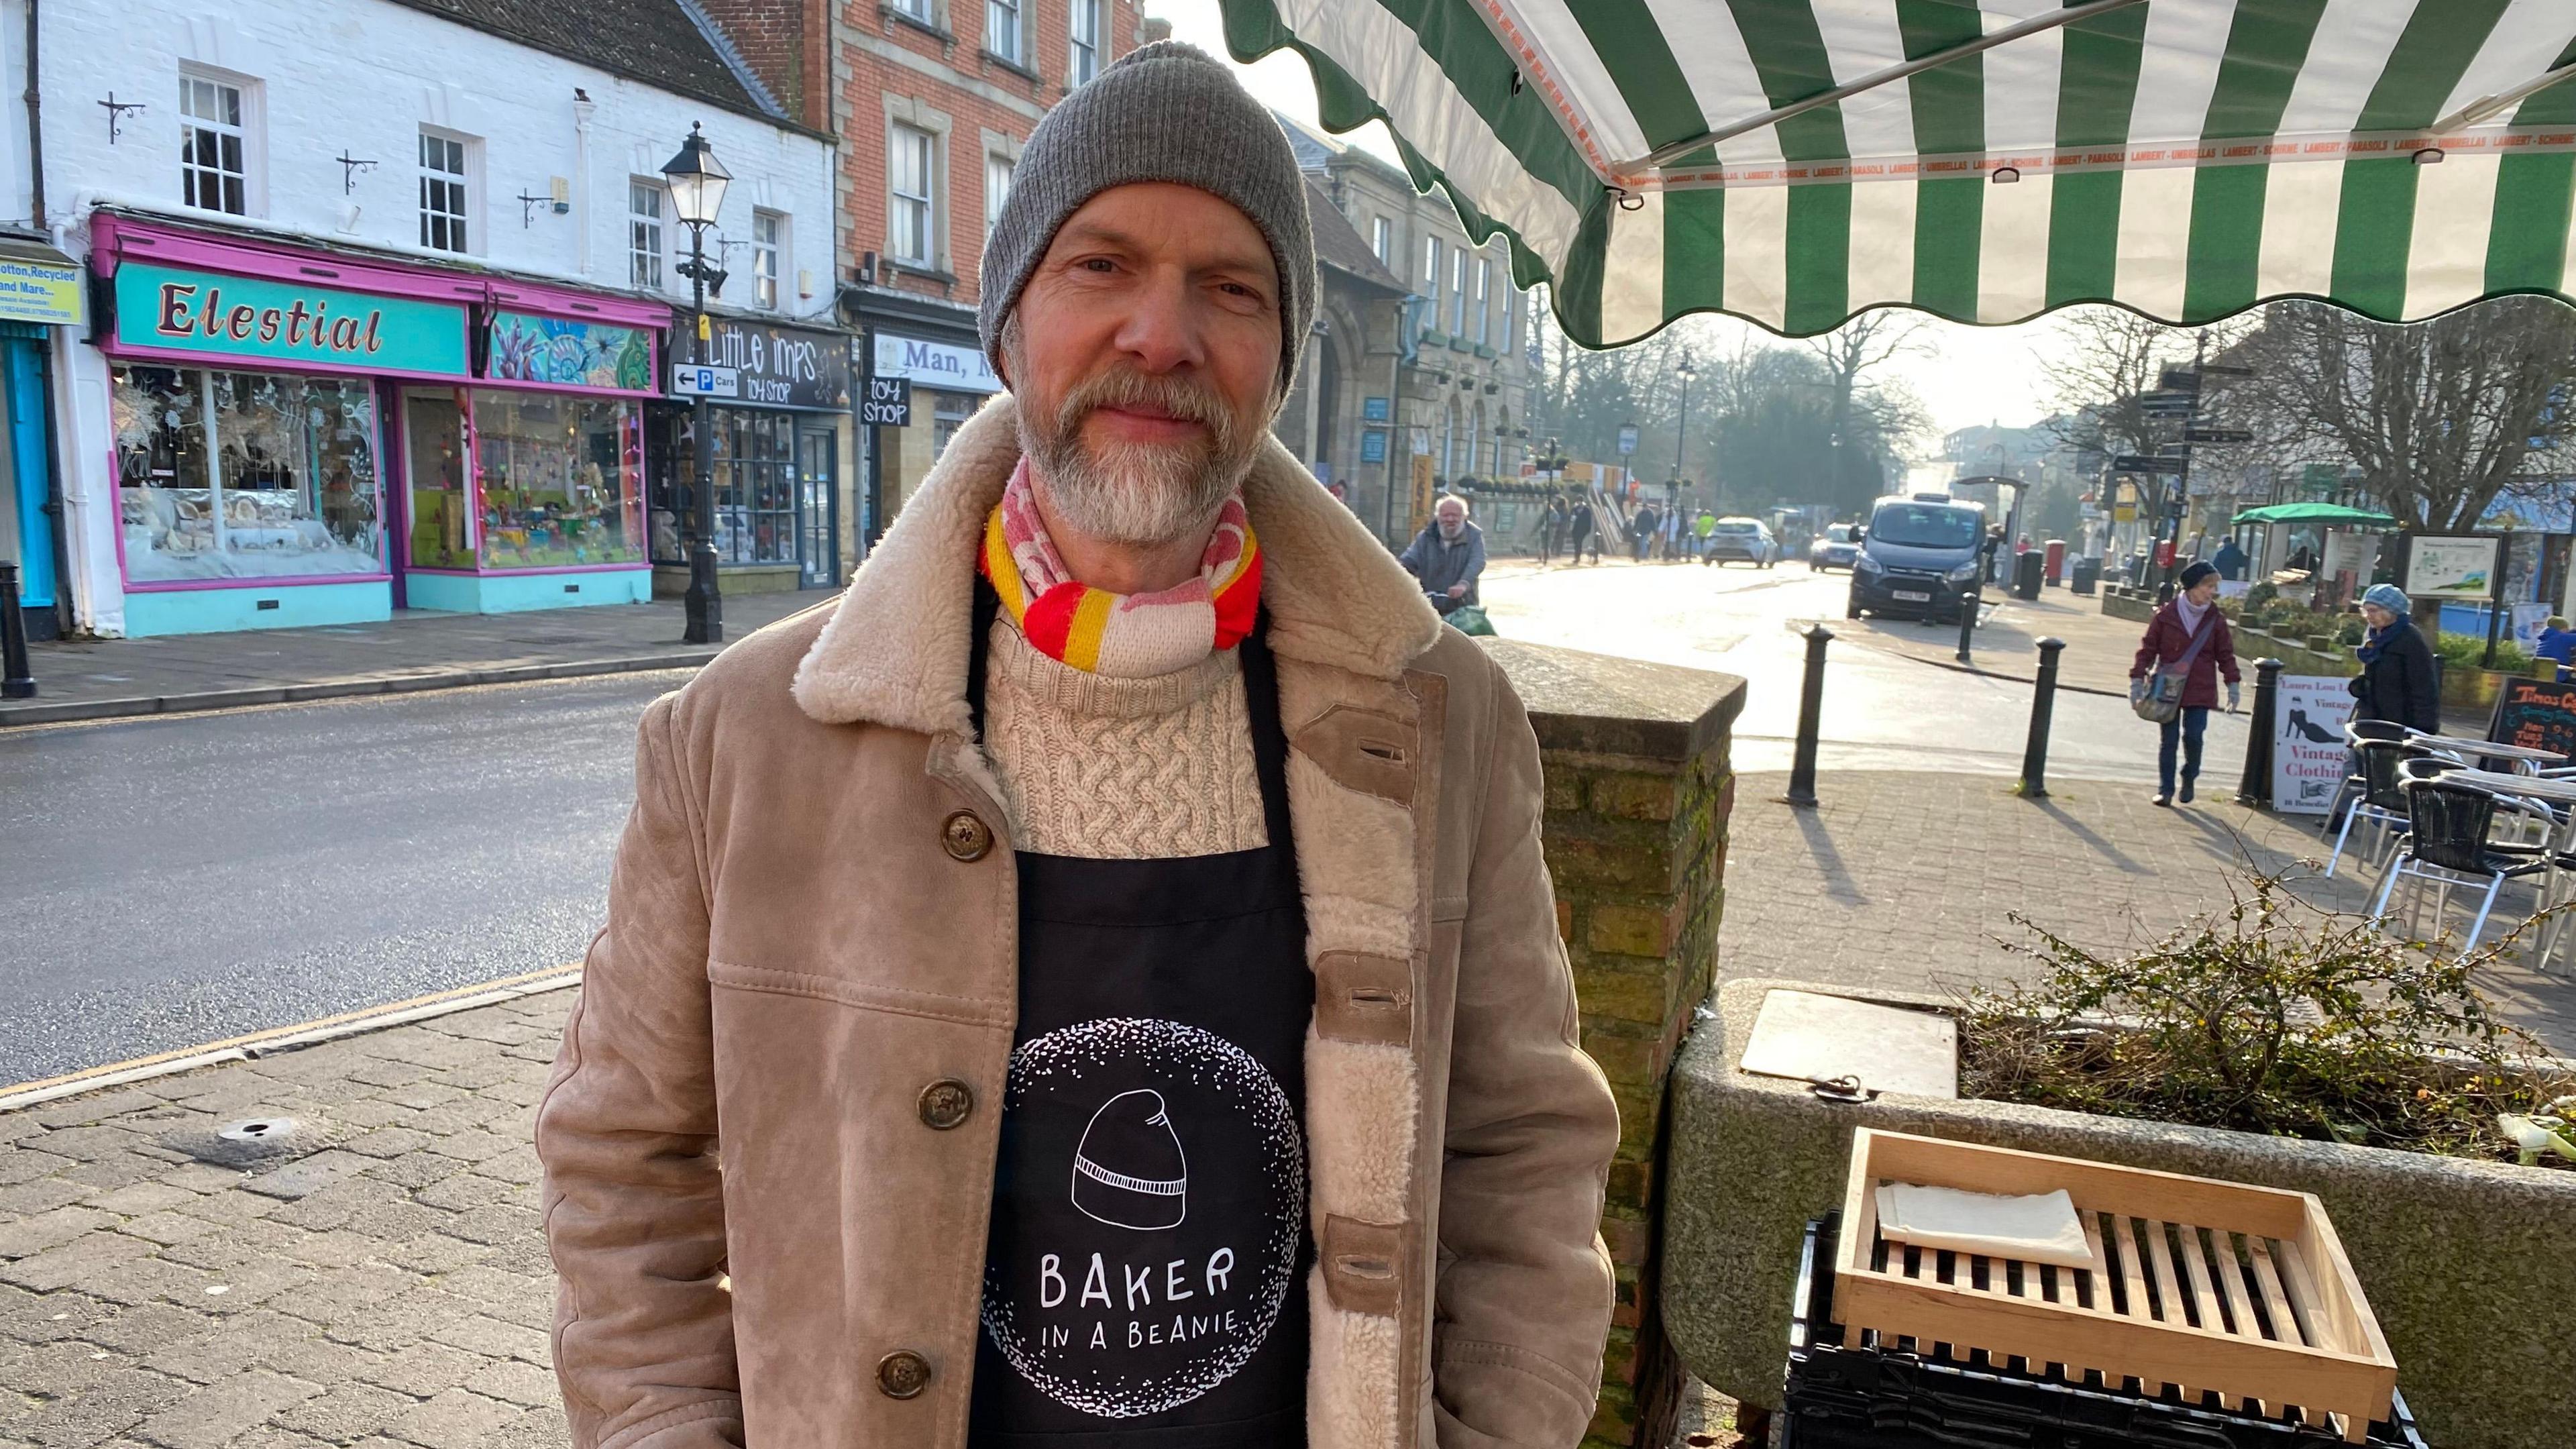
[[2325, 513]]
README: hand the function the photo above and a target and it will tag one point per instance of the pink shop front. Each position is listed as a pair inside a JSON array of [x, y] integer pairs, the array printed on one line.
[[321, 437]]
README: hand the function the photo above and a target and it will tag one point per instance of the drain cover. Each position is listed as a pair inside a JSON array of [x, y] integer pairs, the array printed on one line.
[[248, 1141]]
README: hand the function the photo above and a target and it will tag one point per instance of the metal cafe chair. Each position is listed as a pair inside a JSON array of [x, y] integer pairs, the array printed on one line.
[[2381, 804], [2446, 845]]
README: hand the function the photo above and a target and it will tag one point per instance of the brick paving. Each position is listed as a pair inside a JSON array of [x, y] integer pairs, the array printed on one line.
[[89, 678], [390, 1289], [1903, 879]]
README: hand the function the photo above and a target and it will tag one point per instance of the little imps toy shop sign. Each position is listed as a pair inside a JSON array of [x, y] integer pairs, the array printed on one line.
[[164, 309]]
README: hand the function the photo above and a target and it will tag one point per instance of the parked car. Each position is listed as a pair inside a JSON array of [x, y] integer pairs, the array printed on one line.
[[1917, 556], [1744, 539], [1835, 548]]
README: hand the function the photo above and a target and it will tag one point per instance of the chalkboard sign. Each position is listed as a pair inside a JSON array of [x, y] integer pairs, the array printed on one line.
[[2537, 714]]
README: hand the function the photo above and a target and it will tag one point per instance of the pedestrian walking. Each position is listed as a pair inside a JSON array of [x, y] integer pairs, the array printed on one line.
[[1701, 528], [1641, 531], [1048, 921], [1672, 540], [2399, 681], [1587, 531], [1551, 528], [2174, 679]]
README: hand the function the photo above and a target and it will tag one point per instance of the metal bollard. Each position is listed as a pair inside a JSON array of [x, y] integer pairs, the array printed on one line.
[[2043, 698], [2256, 786], [1967, 623], [15, 681], [1811, 704]]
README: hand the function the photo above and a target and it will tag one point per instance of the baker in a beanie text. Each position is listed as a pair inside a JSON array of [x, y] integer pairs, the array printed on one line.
[[1094, 985]]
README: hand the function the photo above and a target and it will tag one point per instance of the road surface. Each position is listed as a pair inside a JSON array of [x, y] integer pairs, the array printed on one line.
[[184, 879]]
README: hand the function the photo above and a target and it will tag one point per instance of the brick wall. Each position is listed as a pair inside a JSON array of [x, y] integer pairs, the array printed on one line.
[[963, 89], [1638, 850], [1639, 790], [783, 43]]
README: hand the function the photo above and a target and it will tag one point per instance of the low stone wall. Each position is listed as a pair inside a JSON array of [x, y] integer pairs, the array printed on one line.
[[2465, 1263], [2122, 603], [1638, 795]]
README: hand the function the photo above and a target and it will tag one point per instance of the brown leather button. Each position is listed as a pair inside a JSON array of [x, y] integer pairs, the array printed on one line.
[[946, 1102], [966, 838], [902, 1374]]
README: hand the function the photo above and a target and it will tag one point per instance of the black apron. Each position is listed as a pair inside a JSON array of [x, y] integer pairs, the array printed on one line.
[[1144, 1282]]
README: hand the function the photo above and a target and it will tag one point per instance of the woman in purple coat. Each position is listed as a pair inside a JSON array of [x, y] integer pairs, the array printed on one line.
[[2170, 636]]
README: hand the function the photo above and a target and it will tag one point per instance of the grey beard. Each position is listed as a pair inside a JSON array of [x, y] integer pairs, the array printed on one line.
[[1129, 493], [1133, 494]]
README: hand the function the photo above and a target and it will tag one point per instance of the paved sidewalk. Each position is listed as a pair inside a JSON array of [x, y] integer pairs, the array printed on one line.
[[104, 678], [389, 1289], [1903, 880]]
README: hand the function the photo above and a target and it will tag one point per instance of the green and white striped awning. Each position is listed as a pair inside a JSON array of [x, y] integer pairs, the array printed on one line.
[[1795, 161]]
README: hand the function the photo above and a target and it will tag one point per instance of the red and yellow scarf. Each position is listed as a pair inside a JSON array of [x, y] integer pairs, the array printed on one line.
[[1125, 636]]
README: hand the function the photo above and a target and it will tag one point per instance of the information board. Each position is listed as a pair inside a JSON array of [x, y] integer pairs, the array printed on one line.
[[2536, 714], [2309, 754]]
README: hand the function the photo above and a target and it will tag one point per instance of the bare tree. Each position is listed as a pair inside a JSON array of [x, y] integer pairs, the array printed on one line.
[[2440, 417], [2112, 356]]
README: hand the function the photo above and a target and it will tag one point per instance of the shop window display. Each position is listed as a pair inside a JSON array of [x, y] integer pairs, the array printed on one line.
[[559, 476], [755, 471], [238, 475]]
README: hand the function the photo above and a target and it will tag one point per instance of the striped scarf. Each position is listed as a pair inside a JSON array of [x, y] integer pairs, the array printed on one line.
[[1124, 636]]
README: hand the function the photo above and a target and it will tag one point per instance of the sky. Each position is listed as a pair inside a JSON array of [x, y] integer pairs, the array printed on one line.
[[1964, 375]]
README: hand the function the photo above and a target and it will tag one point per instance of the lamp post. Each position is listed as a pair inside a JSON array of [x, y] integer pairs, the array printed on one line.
[[1681, 423], [698, 183]]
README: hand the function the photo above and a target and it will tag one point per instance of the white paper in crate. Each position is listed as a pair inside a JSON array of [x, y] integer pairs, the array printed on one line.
[[2036, 1229]]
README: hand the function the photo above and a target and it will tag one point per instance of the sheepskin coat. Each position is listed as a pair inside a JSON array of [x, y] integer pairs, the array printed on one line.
[[810, 972]]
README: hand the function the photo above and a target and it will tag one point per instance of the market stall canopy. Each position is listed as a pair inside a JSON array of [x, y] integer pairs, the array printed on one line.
[[2326, 513], [1795, 161]]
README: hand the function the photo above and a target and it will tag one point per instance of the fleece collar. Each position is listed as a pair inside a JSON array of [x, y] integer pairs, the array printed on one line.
[[895, 651]]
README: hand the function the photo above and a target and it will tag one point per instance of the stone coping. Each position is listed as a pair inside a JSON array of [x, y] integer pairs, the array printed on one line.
[[1601, 704]]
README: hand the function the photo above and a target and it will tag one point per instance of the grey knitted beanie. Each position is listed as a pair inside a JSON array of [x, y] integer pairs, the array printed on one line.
[[1166, 112]]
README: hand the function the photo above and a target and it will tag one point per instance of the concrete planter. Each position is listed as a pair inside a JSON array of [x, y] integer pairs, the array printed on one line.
[[2296, 657], [2468, 1264], [2468, 689]]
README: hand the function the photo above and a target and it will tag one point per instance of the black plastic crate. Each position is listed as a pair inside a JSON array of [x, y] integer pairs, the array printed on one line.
[[1863, 1396]]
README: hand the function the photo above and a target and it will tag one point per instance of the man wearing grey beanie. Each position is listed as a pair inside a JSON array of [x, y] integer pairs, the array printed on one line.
[[1113, 936]]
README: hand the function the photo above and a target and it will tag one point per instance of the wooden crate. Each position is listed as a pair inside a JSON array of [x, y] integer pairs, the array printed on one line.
[[2209, 1287]]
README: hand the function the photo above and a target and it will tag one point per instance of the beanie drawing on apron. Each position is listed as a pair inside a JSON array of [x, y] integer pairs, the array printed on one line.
[[1128, 1171]]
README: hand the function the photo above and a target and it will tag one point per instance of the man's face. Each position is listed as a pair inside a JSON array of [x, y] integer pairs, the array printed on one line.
[[1453, 517], [1144, 353]]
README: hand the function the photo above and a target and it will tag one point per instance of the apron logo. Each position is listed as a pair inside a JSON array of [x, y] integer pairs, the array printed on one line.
[[1122, 1296], [1134, 1131]]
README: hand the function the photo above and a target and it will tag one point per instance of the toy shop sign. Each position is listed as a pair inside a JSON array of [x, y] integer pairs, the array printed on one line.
[[769, 366], [165, 309]]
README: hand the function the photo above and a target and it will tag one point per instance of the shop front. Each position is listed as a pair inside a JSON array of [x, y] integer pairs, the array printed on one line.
[[40, 290], [303, 437], [779, 408], [949, 381]]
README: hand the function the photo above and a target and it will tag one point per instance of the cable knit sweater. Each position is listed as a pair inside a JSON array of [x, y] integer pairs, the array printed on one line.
[[1121, 769]]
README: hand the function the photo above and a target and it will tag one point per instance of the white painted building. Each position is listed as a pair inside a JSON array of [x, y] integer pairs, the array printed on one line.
[[471, 194]]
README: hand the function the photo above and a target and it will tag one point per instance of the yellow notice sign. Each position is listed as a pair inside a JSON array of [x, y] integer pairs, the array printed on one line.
[[34, 291]]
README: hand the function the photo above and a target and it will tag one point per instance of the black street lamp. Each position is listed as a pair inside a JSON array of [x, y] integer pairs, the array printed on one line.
[[698, 184], [1681, 423]]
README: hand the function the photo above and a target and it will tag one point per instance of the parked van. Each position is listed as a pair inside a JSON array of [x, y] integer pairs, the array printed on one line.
[[1917, 555]]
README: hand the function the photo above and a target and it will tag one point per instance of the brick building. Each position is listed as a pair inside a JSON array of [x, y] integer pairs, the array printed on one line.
[[932, 100], [1430, 391]]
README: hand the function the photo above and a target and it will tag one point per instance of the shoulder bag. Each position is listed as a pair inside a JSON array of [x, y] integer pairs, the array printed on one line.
[[2163, 700]]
